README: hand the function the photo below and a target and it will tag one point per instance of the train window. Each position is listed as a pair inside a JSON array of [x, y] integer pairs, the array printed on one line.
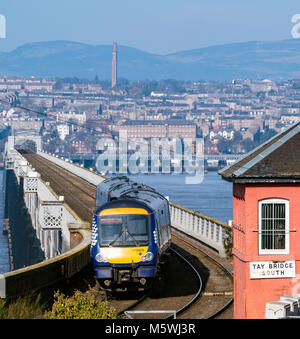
[[138, 225], [109, 228], [124, 230]]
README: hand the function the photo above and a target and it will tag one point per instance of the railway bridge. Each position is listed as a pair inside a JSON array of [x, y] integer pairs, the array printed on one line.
[[49, 227]]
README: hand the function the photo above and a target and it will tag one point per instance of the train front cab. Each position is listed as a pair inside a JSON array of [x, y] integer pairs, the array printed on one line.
[[127, 251]]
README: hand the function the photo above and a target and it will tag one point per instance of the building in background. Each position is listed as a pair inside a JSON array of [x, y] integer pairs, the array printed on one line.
[[63, 130], [158, 129]]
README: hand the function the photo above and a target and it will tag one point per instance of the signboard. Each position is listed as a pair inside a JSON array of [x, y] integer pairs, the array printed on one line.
[[272, 269]]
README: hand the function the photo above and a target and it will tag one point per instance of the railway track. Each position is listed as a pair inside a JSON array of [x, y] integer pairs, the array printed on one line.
[[213, 297], [216, 299], [195, 284], [168, 307]]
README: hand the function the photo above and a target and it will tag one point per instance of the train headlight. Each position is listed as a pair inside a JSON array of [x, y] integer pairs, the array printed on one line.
[[147, 257], [101, 258]]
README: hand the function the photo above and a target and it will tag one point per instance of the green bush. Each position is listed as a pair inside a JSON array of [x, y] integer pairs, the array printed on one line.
[[80, 306]]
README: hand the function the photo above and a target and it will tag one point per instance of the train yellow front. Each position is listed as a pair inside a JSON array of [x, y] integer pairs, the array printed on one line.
[[130, 234]]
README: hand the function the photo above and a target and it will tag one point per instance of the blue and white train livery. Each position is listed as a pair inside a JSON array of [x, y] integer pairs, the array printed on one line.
[[131, 231]]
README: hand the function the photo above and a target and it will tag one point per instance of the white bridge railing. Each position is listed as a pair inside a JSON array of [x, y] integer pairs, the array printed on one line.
[[50, 218], [208, 230], [49, 214], [84, 173]]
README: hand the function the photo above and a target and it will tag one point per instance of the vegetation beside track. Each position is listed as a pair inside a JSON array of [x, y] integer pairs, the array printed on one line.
[[77, 306]]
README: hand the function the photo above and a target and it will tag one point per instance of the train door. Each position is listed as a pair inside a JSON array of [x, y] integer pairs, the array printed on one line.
[[168, 222], [163, 227], [157, 231]]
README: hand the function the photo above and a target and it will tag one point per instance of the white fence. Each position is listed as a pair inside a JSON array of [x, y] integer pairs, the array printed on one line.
[[208, 230], [81, 172], [49, 213]]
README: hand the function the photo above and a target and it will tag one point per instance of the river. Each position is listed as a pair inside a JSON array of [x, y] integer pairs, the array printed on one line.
[[212, 197]]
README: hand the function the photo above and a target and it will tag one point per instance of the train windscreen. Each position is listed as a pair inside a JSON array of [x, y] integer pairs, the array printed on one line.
[[124, 230]]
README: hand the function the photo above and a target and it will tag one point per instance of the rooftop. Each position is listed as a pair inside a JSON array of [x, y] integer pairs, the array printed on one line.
[[158, 122], [277, 160]]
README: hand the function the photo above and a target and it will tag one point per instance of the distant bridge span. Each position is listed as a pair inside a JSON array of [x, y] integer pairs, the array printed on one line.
[[20, 137]]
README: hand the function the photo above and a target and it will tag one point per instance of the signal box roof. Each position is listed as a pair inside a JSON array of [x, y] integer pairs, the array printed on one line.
[[277, 160]]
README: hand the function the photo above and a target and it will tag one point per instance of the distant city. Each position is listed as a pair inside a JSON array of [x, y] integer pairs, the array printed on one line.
[[72, 114]]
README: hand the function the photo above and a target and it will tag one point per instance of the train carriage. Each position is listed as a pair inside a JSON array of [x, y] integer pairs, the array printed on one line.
[[131, 232]]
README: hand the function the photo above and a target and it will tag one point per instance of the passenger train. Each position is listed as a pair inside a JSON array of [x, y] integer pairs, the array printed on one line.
[[131, 232]]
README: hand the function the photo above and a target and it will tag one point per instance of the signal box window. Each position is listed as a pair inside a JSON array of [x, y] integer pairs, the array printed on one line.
[[274, 226]]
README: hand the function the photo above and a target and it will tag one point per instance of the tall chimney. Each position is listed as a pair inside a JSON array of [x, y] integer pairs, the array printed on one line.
[[114, 66]]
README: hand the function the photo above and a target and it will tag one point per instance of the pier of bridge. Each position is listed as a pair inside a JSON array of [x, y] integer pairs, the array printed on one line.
[[49, 203]]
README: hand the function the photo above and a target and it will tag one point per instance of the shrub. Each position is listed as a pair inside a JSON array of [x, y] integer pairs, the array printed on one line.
[[80, 306]]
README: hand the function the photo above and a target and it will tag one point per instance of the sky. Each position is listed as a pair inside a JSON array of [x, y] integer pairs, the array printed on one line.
[[157, 26]]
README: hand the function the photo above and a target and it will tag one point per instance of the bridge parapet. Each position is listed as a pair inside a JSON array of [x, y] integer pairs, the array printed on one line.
[[209, 231], [50, 219], [49, 214]]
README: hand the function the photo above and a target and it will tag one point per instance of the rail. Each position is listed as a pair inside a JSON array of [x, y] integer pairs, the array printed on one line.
[[149, 304], [211, 262]]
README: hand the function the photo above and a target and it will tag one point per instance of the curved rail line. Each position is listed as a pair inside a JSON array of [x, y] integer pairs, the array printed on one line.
[[181, 309], [191, 242]]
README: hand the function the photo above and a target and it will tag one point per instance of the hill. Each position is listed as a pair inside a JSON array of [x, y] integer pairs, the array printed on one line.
[[256, 59]]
